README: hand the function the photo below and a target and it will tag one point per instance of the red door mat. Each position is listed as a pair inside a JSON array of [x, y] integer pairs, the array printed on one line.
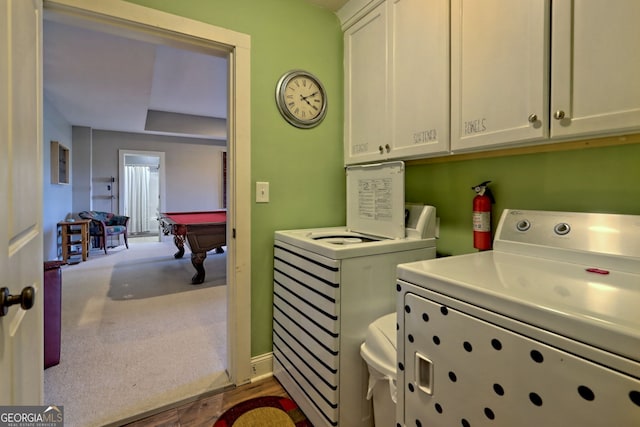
[[268, 411]]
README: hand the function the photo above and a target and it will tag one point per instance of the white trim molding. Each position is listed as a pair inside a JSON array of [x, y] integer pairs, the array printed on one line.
[[261, 367]]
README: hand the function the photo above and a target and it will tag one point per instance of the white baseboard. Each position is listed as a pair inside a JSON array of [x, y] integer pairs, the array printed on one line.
[[261, 366]]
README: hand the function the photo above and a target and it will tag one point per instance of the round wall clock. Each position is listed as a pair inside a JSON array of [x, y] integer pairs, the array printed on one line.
[[301, 99]]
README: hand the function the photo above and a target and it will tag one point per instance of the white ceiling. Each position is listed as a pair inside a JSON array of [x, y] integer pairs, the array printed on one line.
[[108, 82]]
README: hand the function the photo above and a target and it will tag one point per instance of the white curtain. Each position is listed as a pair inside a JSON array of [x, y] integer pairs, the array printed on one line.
[[137, 198]]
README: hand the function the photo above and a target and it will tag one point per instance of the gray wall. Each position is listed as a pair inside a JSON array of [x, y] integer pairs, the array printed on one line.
[[81, 168], [193, 169], [193, 172], [57, 198]]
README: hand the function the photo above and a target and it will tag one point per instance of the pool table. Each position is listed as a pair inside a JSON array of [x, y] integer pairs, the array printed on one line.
[[203, 231]]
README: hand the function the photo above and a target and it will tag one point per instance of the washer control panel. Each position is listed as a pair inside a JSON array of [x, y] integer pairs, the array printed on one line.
[[596, 233]]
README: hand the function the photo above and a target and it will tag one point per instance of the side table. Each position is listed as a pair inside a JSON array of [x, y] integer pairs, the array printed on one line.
[[74, 234]]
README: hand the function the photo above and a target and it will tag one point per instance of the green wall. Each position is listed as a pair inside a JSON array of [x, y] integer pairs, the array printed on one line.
[[304, 167], [585, 180]]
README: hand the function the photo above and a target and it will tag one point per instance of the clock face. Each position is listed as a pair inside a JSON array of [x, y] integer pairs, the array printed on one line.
[[301, 99]]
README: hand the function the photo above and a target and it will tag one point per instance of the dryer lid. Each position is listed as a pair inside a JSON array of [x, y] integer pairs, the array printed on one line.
[[375, 199]]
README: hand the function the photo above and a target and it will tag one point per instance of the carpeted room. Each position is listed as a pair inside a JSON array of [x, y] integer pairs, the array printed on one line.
[[136, 335]]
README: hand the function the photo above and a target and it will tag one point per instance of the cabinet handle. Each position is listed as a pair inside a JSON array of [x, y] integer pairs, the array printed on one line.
[[387, 147], [381, 149], [558, 115], [533, 118]]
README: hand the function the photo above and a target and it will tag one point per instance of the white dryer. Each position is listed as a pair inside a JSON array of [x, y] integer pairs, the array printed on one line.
[[330, 283], [542, 331]]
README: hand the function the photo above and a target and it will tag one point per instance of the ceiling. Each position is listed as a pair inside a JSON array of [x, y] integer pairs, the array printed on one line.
[[108, 82]]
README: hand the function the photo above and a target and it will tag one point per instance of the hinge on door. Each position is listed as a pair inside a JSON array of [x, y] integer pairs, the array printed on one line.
[[233, 233]]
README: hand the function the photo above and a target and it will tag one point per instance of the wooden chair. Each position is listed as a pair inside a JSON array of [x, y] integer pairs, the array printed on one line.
[[106, 224]]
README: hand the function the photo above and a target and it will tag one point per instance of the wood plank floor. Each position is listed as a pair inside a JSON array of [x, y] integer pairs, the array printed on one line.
[[206, 410]]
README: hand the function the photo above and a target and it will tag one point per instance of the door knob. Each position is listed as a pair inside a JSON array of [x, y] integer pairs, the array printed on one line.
[[558, 115], [25, 299]]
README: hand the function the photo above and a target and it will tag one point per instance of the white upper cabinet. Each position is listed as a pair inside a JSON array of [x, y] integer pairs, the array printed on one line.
[[419, 77], [499, 72], [595, 67], [366, 88], [507, 56], [397, 82]]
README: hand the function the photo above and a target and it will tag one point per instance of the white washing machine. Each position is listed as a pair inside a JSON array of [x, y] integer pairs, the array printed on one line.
[[542, 331], [330, 283]]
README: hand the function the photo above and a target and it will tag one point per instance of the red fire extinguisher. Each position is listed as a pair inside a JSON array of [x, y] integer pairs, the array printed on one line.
[[482, 216]]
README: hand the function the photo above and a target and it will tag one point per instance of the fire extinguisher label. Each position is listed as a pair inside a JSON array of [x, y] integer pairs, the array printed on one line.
[[482, 221]]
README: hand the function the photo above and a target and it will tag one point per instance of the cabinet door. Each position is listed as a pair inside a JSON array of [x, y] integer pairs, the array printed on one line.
[[595, 67], [419, 77], [366, 91], [499, 72]]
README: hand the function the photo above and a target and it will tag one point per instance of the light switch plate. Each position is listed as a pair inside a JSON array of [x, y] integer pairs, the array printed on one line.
[[262, 192]]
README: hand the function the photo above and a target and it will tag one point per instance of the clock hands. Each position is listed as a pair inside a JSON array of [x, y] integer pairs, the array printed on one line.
[[304, 98]]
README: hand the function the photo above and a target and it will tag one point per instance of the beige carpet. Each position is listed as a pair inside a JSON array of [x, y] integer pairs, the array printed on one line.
[[136, 335]]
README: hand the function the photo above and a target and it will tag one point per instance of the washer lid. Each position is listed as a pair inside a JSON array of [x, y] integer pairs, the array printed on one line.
[[375, 199]]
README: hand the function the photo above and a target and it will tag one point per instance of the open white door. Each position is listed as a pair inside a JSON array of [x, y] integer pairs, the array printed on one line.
[[21, 263]]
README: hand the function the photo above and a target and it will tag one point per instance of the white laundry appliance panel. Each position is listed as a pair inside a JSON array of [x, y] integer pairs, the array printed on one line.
[[322, 308], [331, 282], [419, 231], [339, 243], [378, 219], [602, 310], [375, 199], [543, 330], [611, 240], [466, 366]]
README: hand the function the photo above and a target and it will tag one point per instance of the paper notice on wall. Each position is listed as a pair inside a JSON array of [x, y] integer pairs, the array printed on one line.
[[375, 199]]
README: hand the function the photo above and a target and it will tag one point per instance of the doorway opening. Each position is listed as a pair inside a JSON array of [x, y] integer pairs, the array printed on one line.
[[148, 24], [142, 188]]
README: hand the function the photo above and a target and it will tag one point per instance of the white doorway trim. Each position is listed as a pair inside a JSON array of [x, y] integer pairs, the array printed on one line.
[[122, 155], [150, 24]]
